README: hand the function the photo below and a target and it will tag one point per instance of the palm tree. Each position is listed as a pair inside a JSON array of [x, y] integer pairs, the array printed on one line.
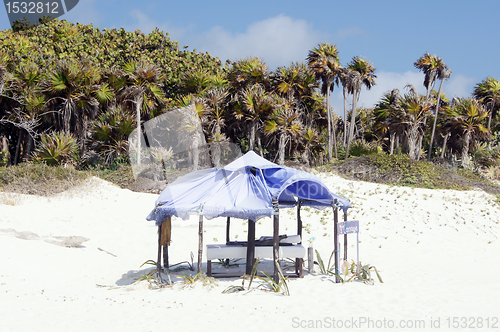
[[382, 113], [285, 126], [344, 78], [465, 122], [297, 84], [28, 101], [324, 62], [410, 116], [72, 104], [443, 73], [429, 65], [215, 100], [247, 77], [361, 73], [142, 88], [110, 134], [488, 93], [198, 80], [257, 104], [248, 72]]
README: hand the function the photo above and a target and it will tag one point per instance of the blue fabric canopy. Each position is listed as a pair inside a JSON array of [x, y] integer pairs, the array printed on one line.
[[243, 189]]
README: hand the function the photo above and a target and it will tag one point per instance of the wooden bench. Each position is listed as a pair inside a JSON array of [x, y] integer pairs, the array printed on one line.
[[239, 251]]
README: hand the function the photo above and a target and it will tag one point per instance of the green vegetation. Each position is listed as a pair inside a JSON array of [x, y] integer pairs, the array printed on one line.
[[39, 179], [349, 272], [400, 170], [72, 94]]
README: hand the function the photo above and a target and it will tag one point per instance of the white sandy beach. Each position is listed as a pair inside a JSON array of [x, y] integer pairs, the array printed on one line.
[[436, 250]]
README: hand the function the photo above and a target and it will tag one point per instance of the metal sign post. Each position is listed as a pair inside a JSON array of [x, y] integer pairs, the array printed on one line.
[[349, 227]]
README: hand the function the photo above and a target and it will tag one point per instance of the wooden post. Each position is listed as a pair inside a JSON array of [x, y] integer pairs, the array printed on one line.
[[166, 234], [345, 239], [299, 261], [310, 259], [166, 265], [250, 246], [276, 239], [158, 261], [336, 239], [299, 222], [228, 223], [200, 242], [357, 255]]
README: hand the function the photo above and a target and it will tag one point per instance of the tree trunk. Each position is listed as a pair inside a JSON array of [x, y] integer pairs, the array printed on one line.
[[259, 143], [353, 121], [345, 114], [329, 117], [281, 149], [392, 138], [251, 136], [444, 144], [334, 126], [18, 147], [216, 151], [435, 120], [138, 105], [419, 146], [196, 153], [413, 142], [465, 150]]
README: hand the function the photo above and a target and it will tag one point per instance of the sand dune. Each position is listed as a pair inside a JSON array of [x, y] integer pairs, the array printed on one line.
[[70, 263]]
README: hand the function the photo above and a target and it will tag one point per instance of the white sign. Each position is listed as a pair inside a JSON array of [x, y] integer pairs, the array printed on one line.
[[348, 227]]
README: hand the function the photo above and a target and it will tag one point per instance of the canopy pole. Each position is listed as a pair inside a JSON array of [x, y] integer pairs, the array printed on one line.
[[345, 239], [250, 246], [200, 242], [336, 239], [158, 261], [276, 225], [299, 222], [228, 225], [166, 234]]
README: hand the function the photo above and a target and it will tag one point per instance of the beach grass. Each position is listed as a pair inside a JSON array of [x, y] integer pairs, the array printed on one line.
[[394, 170], [39, 179]]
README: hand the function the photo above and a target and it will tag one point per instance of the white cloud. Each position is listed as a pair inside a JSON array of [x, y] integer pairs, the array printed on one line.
[[141, 21], [278, 41], [459, 86]]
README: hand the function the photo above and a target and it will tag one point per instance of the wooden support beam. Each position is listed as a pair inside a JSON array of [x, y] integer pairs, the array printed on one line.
[[200, 242], [166, 265], [299, 222], [166, 233], [158, 261], [299, 261], [250, 246], [336, 239], [228, 224], [345, 239], [276, 239]]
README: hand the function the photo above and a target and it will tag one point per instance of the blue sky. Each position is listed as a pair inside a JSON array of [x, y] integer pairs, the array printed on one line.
[[390, 34]]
